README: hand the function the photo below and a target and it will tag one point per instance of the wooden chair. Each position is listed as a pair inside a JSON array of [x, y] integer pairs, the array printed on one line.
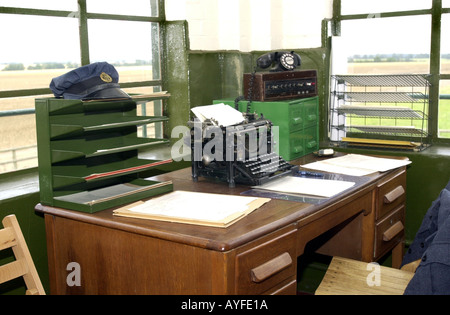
[[11, 237], [350, 277]]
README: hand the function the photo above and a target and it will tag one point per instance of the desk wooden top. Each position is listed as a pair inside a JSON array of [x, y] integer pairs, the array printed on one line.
[[270, 217]]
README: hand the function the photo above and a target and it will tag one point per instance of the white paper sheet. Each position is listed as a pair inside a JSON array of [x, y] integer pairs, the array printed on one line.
[[356, 165], [307, 186]]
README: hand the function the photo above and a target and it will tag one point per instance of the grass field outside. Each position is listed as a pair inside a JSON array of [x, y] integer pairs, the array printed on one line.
[[417, 67]]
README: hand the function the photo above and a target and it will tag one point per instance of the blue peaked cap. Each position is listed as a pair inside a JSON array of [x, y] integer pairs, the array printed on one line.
[[97, 81]]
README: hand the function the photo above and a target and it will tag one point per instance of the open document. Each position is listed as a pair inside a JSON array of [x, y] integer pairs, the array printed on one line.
[[194, 208], [356, 165], [219, 114]]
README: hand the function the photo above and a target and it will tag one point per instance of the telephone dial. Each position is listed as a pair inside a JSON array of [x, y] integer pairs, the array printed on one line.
[[285, 61]]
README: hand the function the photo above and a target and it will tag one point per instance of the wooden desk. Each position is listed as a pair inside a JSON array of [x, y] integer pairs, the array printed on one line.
[[257, 255]]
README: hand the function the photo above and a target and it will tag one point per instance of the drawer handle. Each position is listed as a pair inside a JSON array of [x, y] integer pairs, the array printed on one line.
[[393, 231], [261, 273], [312, 144], [394, 195]]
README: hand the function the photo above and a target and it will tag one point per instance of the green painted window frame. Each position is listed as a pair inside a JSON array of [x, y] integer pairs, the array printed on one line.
[[436, 13]]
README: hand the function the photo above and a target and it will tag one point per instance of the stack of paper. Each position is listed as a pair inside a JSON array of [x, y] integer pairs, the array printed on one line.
[[194, 208]]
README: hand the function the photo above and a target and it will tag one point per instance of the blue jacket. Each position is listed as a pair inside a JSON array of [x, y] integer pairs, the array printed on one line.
[[432, 246]]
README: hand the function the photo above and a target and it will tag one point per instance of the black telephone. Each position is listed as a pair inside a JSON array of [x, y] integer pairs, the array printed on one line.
[[286, 61]]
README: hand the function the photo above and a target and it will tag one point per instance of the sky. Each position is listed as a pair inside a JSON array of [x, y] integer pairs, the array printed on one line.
[[58, 37], [55, 39], [390, 35]]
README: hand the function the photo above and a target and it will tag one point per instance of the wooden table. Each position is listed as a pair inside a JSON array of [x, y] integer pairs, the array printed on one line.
[[256, 255]]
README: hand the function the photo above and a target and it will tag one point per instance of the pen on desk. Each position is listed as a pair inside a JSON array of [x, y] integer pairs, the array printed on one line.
[[310, 174]]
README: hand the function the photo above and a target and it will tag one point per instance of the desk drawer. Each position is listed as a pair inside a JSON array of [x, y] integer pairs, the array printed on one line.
[[311, 112], [296, 119], [290, 288], [303, 115], [389, 231], [302, 143], [391, 194], [267, 265]]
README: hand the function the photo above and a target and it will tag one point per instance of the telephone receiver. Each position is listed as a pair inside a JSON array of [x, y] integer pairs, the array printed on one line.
[[286, 61]]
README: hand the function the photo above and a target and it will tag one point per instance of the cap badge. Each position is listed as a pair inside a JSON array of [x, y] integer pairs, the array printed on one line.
[[105, 77]]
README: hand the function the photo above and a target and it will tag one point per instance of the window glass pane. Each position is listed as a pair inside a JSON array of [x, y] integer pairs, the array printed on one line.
[[36, 54], [18, 134], [445, 44], [138, 7], [379, 6], [132, 55], [446, 3], [383, 46], [444, 110], [41, 4]]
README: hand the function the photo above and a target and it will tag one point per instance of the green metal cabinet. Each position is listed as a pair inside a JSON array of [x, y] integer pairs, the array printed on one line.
[[88, 154], [297, 122]]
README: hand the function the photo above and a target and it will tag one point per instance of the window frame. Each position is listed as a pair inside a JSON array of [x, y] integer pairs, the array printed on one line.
[[436, 13]]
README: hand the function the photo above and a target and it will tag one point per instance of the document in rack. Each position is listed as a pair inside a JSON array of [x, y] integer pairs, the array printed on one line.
[[357, 165]]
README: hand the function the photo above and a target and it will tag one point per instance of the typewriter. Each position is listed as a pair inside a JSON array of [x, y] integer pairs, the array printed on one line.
[[237, 154]]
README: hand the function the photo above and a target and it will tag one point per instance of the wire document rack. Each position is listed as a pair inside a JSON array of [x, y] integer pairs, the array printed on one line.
[[385, 111]]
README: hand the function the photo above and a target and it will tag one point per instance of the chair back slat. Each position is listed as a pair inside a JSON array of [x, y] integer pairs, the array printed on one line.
[[11, 237], [15, 269], [7, 238]]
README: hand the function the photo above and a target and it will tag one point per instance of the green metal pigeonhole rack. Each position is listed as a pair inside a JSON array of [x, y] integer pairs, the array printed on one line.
[[88, 154]]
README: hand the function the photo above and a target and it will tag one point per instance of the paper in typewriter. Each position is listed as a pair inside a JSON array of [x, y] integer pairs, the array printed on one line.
[[220, 114], [194, 208]]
